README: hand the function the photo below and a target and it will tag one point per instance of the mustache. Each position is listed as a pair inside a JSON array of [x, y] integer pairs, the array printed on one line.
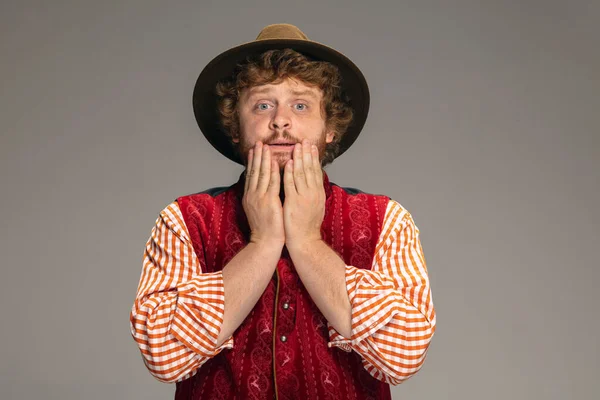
[[284, 135]]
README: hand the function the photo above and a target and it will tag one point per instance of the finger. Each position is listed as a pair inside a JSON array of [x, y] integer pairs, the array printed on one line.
[[274, 183], [288, 179], [317, 165], [248, 168], [265, 170], [256, 166], [299, 175], [307, 162]]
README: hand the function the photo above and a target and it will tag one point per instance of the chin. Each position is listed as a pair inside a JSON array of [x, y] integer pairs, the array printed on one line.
[[282, 159], [281, 165]]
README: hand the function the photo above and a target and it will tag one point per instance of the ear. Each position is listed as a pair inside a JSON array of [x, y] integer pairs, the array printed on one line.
[[329, 136]]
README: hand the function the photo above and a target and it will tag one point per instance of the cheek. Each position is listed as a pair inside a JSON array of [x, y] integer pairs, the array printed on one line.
[[251, 125], [252, 129], [319, 128]]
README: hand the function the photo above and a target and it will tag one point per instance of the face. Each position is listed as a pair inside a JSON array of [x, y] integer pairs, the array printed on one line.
[[281, 115]]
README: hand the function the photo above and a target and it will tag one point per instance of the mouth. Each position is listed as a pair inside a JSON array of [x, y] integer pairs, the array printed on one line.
[[282, 146]]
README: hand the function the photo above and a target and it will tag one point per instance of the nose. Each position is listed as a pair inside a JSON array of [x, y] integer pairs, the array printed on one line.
[[281, 120]]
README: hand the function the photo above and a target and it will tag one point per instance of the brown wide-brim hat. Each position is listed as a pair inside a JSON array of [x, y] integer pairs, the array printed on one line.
[[277, 36]]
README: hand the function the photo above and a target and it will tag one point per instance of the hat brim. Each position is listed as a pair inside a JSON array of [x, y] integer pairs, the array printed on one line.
[[205, 100]]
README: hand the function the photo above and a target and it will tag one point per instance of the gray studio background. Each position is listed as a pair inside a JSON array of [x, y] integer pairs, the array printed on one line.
[[484, 125]]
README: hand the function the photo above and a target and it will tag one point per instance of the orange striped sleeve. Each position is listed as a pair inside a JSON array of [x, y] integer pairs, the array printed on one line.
[[178, 310], [393, 319]]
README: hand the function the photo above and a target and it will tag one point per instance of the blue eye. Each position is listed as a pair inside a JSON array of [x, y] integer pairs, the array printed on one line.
[[301, 107], [262, 106]]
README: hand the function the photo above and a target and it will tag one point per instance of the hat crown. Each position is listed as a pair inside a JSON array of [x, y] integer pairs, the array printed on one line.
[[281, 31]]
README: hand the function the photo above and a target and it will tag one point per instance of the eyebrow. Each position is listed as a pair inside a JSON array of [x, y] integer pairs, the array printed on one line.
[[304, 93], [294, 92], [253, 91]]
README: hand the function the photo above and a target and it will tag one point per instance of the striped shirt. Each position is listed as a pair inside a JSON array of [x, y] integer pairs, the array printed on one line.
[[178, 310]]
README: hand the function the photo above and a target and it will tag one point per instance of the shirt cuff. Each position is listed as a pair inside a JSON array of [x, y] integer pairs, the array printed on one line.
[[198, 318], [372, 297]]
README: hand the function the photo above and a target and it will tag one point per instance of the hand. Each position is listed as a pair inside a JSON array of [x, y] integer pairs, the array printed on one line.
[[261, 201], [304, 207]]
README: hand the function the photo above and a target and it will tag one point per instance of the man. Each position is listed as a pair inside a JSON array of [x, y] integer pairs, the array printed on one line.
[[283, 285]]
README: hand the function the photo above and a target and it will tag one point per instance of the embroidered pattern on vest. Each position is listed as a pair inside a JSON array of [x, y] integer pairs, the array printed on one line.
[[303, 366]]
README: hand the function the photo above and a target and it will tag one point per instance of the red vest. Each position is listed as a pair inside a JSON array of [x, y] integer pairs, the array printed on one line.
[[262, 364]]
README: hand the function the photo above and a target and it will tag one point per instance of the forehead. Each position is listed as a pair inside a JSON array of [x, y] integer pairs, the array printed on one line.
[[291, 87]]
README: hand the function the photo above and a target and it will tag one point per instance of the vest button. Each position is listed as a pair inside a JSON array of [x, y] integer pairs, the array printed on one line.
[[286, 306], [283, 338]]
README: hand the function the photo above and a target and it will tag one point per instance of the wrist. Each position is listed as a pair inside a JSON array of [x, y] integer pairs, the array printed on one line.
[[305, 244], [268, 245]]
